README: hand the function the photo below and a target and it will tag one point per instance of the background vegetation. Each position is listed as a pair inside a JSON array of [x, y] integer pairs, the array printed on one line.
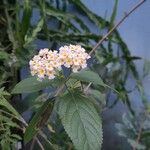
[[24, 25]]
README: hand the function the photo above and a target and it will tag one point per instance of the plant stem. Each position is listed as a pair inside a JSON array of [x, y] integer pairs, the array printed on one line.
[[138, 137], [113, 29], [116, 26], [140, 130], [32, 144], [39, 143]]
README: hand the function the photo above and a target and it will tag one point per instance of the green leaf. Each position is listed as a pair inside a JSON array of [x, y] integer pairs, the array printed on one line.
[[100, 97], [38, 101], [31, 84], [145, 134], [91, 16], [114, 13], [10, 31], [38, 120], [3, 93], [6, 104], [27, 12], [32, 36], [15, 136], [146, 68], [4, 55], [121, 130], [80, 120], [73, 83], [142, 93], [5, 145], [88, 76], [136, 145]]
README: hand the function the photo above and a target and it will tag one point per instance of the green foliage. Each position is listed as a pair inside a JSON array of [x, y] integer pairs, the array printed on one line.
[[136, 130], [80, 120], [9, 119], [88, 76], [146, 68], [114, 13], [99, 96], [3, 56], [30, 37], [38, 121], [31, 85], [27, 12], [18, 35]]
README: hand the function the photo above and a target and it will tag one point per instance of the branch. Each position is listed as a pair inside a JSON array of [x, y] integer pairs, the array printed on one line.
[[32, 144], [138, 138], [140, 130], [112, 30], [39, 143], [116, 26]]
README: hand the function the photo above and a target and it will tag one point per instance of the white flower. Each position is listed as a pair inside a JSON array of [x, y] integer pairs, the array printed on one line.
[[73, 56], [47, 63], [43, 51]]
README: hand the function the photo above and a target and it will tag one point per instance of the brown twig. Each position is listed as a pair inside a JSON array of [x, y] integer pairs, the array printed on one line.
[[116, 26], [140, 130], [138, 137], [113, 29]]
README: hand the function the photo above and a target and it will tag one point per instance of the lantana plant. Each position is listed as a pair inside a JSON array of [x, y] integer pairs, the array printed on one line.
[[76, 97], [48, 63], [76, 94]]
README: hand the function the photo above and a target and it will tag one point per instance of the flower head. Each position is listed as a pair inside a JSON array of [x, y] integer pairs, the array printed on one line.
[[73, 56], [47, 63]]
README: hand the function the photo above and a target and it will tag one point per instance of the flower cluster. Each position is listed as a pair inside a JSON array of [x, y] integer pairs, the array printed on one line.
[[47, 63], [73, 56]]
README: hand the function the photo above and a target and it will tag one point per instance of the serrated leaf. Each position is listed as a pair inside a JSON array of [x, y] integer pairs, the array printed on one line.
[[81, 121], [38, 121], [88, 76], [31, 84]]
